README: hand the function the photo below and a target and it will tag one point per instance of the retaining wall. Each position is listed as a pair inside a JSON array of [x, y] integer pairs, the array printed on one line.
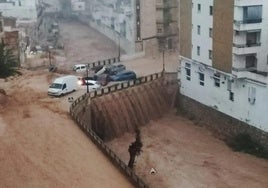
[[223, 125], [86, 128]]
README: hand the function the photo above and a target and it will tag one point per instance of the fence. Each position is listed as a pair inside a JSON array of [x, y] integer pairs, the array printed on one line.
[[117, 87], [96, 139], [104, 62]]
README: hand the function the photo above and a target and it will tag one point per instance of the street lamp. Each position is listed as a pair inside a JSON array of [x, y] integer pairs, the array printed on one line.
[[163, 51], [87, 79], [164, 47], [119, 36]]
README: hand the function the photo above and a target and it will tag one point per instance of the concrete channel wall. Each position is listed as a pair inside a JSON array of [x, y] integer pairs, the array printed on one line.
[[223, 125], [136, 180]]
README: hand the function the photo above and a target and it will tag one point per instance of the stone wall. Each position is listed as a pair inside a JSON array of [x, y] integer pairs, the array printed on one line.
[[224, 126]]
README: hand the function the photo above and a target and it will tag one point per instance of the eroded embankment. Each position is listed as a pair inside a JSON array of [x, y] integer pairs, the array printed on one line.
[[123, 111]]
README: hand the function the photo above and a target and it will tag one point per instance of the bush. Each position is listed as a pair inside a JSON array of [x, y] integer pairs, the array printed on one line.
[[7, 62], [244, 143]]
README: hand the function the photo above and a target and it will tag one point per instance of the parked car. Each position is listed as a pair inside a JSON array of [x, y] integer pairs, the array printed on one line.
[[124, 75], [79, 68], [114, 69], [92, 84], [63, 85], [84, 80], [97, 68], [103, 79]]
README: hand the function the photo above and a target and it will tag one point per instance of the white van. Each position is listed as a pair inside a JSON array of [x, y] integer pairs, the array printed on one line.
[[63, 85], [79, 68]]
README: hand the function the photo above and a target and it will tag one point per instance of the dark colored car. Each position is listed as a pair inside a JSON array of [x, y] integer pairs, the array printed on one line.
[[114, 69], [124, 75], [97, 68]]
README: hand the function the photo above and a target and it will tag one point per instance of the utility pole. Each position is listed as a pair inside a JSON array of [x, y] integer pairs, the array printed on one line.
[[163, 51], [49, 56], [119, 54], [87, 79]]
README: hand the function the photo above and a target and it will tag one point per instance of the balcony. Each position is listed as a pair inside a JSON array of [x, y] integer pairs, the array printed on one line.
[[245, 25], [244, 49], [242, 3], [254, 76], [245, 69], [166, 5]]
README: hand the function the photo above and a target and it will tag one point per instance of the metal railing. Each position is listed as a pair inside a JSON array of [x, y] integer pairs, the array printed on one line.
[[103, 62]]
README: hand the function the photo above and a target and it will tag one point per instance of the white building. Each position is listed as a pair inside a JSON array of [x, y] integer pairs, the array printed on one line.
[[20, 9], [78, 5], [224, 57]]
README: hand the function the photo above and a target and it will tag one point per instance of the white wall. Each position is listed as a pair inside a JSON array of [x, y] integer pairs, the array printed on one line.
[[218, 98], [263, 54], [27, 10], [205, 20]]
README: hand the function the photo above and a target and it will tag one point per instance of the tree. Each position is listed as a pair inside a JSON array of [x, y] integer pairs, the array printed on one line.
[[7, 61], [135, 149]]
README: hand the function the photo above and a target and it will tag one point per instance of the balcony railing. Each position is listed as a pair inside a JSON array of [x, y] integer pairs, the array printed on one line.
[[243, 3], [167, 5], [245, 49], [246, 45], [253, 68], [248, 21], [245, 25]]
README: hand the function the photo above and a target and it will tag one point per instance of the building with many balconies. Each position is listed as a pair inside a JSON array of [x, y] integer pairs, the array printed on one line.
[[224, 56], [166, 23], [139, 26]]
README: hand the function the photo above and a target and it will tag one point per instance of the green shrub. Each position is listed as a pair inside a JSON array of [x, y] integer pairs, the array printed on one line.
[[8, 62]]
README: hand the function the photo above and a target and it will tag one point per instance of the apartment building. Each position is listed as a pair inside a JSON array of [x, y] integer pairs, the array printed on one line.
[[224, 57], [139, 26], [166, 23], [20, 9]]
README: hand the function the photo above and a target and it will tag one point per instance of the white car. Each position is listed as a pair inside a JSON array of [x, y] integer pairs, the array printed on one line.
[[80, 68], [91, 84]]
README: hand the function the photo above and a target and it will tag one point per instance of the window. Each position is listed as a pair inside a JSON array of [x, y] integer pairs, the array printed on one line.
[[64, 86], [198, 29], [210, 32], [198, 50], [198, 7], [231, 96], [201, 79], [252, 14], [229, 85], [253, 38], [251, 95], [210, 10], [217, 80], [210, 54], [188, 71]]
